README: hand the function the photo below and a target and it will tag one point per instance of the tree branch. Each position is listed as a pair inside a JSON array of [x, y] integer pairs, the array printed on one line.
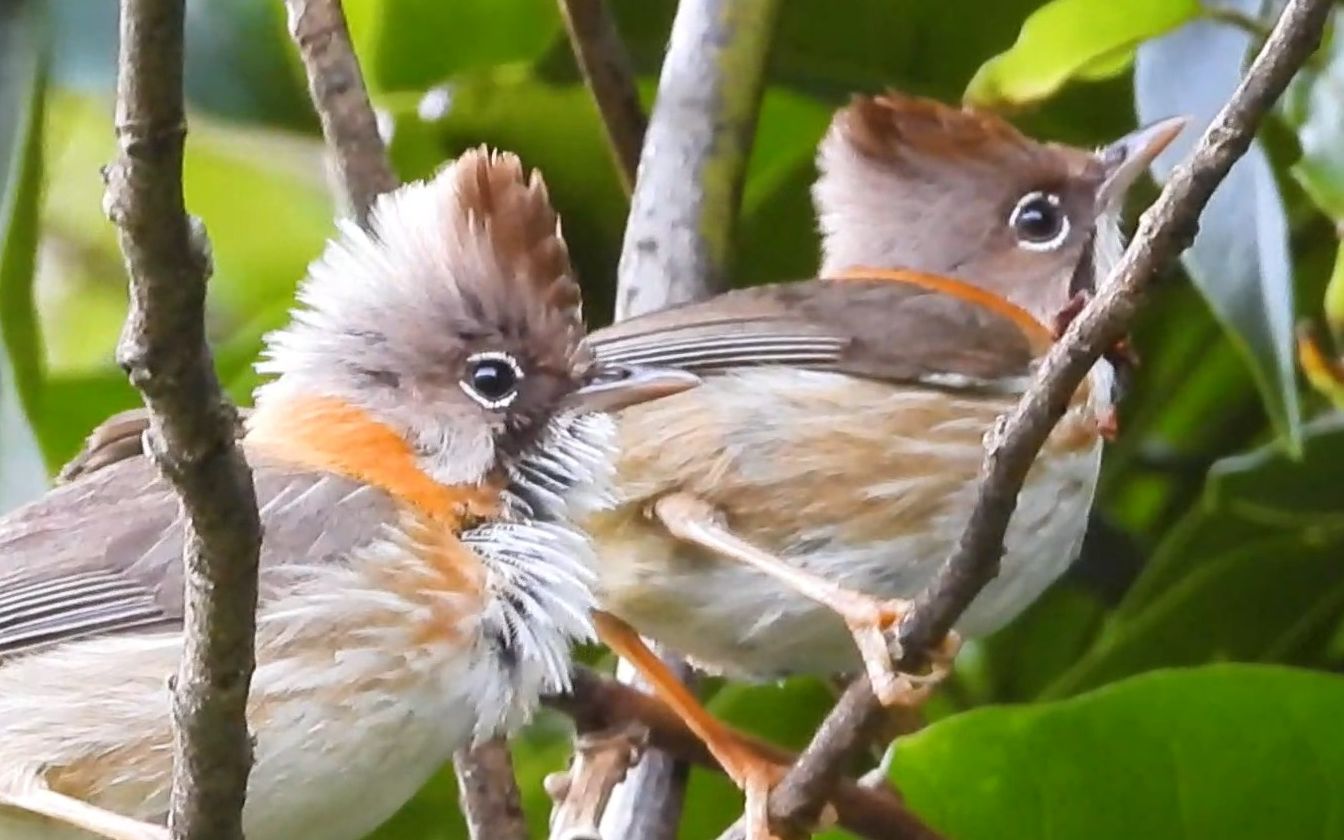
[[679, 235], [488, 791], [1165, 230], [163, 350], [599, 703], [605, 64], [342, 102]]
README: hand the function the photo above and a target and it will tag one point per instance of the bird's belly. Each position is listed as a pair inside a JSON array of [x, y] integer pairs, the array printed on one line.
[[730, 618], [350, 716]]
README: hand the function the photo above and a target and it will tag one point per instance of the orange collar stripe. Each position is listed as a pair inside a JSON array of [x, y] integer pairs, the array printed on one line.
[[329, 435], [1038, 335]]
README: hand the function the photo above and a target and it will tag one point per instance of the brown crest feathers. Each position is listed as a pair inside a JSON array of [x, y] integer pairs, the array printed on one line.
[[494, 193], [900, 129]]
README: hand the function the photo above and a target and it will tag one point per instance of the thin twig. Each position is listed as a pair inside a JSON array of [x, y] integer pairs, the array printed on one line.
[[1165, 230], [680, 232], [605, 64], [598, 703], [163, 350], [492, 810], [342, 102]]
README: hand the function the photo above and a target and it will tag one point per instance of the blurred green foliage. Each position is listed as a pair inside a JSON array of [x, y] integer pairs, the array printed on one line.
[[1210, 542]]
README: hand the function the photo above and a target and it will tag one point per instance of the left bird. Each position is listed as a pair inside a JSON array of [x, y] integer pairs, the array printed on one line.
[[434, 428]]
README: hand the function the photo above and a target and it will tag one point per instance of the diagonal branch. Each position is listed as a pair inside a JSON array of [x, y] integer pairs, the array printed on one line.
[[605, 64], [1166, 229], [163, 350], [349, 124]]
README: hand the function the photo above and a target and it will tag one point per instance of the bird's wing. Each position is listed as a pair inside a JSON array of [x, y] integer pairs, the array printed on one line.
[[912, 328], [103, 554]]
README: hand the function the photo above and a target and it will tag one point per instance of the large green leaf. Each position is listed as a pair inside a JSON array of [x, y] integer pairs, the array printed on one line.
[[1222, 752], [410, 45], [1240, 259], [1066, 39], [22, 92], [1266, 486]]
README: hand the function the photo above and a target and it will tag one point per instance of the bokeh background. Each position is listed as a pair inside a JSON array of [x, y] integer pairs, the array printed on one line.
[[1115, 706]]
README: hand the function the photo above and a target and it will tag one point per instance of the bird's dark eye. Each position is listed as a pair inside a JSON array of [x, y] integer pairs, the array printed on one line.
[[1039, 221], [492, 379]]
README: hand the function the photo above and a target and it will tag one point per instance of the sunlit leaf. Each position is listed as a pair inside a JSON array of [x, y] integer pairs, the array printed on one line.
[[1239, 261], [1220, 753], [410, 45], [22, 93], [1064, 39]]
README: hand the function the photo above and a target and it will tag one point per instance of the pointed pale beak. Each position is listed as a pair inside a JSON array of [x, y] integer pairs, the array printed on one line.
[[1127, 158], [617, 386]]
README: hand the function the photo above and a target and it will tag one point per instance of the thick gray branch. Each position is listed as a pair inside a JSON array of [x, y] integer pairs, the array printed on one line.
[[163, 349], [679, 236], [678, 241], [605, 63], [1166, 229], [342, 102]]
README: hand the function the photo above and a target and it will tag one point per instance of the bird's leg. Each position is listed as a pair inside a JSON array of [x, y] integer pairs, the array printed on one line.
[[752, 772], [41, 801], [869, 619]]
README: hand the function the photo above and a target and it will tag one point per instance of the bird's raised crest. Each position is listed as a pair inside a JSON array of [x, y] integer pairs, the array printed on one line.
[[898, 128], [494, 198]]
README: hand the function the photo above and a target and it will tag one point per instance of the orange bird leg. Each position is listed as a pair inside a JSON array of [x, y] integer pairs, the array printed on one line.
[[753, 773], [869, 619]]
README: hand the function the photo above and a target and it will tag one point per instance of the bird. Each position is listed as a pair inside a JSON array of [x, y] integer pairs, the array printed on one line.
[[775, 520], [432, 429]]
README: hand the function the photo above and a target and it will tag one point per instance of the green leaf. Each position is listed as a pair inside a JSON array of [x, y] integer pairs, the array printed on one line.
[[1065, 39], [410, 45], [1222, 752], [1320, 170], [1240, 259], [1268, 487], [1242, 605], [22, 93]]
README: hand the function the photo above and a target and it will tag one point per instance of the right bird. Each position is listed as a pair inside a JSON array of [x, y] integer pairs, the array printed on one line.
[[776, 520], [434, 428]]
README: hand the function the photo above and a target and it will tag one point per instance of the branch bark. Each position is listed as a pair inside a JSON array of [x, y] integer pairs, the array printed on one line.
[[598, 703], [163, 350], [605, 64], [680, 232], [488, 791], [1165, 230], [336, 84]]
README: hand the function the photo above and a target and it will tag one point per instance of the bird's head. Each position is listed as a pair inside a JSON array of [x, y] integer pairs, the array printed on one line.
[[454, 322], [907, 182]]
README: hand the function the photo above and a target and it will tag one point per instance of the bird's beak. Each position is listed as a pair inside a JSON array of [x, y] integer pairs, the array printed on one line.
[[617, 386], [1127, 158]]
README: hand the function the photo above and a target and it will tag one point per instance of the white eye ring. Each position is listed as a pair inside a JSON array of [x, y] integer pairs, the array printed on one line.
[[470, 389], [1044, 245]]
